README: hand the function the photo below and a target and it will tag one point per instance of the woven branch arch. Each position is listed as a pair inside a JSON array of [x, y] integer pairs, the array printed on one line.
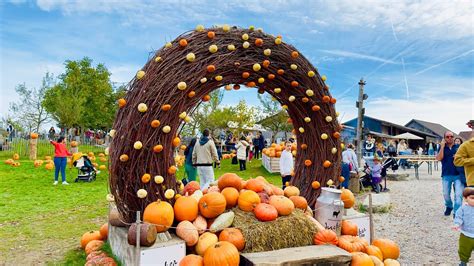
[[311, 110]]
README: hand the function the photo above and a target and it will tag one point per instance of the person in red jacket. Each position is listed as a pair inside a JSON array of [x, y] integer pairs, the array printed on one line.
[[60, 159]]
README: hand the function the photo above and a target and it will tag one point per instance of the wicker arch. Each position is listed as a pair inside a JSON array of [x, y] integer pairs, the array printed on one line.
[[267, 63]]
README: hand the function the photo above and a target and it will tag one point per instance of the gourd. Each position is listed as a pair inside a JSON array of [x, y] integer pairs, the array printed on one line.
[[222, 221]]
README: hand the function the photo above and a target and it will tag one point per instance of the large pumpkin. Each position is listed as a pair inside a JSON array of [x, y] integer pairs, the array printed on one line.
[[265, 212], [348, 198], [185, 209], [300, 202], [205, 241], [390, 249], [248, 200], [353, 243], [291, 191], [159, 213], [231, 196], [375, 251], [255, 185], [104, 231], [229, 180], [191, 187], [192, 260], [361, 259], [89, 236], [324, 237], [188, 232], [283, 204], [234, 236], [349, 228], [94, 245], [212, 204], [222, 253]]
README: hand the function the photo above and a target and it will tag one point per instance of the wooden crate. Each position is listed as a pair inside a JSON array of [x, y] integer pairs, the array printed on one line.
[[271, 164]]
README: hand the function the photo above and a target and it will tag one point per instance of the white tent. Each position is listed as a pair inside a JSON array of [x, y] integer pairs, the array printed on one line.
[[407, 135]]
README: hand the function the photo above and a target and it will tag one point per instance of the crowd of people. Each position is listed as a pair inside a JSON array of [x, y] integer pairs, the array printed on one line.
[[88, 136]]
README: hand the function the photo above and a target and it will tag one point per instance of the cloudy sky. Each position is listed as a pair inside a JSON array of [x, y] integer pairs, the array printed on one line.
[[417, 57]]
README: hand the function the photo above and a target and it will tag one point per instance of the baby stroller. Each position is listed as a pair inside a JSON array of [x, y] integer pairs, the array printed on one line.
[[85, 169], [366, 179]]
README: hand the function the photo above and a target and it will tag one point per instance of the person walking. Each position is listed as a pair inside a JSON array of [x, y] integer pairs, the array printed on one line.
[[204, 154], [60, 159], [465, 157], [449, 173], [286, 164], [241, 147], [189, 168], [51, 133], [349, 164], [464, 222]]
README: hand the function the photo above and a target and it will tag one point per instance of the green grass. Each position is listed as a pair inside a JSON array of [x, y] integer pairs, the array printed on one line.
[[45, 222]]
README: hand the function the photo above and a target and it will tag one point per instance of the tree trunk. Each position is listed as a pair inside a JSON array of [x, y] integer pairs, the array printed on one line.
[[147, 235], [33, 148]]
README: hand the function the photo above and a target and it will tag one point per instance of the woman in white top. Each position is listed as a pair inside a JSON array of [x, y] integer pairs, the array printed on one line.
[[241, 147], [350, 157], [286, 164]]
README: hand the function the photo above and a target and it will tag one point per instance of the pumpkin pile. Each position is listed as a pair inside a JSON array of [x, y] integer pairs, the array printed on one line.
[[276, 149], [92, 243], [13, 161]]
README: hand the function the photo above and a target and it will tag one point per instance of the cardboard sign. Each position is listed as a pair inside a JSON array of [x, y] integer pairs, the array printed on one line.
[[363, 223], [164, 256]]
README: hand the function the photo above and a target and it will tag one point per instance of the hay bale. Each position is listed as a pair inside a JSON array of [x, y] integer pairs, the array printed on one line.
[[294, 230]]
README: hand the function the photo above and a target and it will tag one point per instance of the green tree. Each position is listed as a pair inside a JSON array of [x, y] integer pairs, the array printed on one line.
[[245, 116], [275, 118], [29, 110], [202, 113]]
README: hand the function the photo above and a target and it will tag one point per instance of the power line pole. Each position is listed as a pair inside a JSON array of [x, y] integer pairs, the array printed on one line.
[[360, 119]]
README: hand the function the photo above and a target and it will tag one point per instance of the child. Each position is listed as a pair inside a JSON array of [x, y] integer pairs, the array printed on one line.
[[464, 222], [60, 159], [286, 164], [376, 174], [241, 147]]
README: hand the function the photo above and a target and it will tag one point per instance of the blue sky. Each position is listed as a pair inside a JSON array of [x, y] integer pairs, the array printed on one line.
[[416, 56]]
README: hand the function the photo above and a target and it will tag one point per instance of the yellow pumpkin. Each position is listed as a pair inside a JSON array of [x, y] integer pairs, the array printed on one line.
[[205, 241]]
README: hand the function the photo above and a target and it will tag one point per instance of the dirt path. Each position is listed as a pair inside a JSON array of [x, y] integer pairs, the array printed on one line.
[[417, 222]]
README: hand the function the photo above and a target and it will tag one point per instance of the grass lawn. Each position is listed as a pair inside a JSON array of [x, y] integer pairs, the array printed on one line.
[[42, 223]]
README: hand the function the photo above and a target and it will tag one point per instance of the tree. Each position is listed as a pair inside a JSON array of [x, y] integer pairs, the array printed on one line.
[[245, 116], [202, 113], [276, 118], [29, 110]]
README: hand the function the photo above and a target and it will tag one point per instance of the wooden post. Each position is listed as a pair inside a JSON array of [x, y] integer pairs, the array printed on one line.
[[33, 148], [138, 238], [371, 219]]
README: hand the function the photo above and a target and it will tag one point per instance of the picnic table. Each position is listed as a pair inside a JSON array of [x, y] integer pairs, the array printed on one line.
[[418, 160]]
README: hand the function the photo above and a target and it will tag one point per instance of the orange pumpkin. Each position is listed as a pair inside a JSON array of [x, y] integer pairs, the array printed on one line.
[[248, 200], [391, 262], [277, 191], [34, 135], [349, 228], [280, 72], [121, 102], [104, 231], [324, 237], [336, 135], [157, 148], [250, 84], [265, 212], [353, 243], [254, 185], [172, 170], [326, 98], [261, 178], [192, 260], [283, 204], [206, 98], [191, 187], [89, 236], [375, 251], [176, 142], [166, 107], [191, 94], [308, 162], [348, 198], [231, 196], [183, 42], [234, 236], [291, 191], [222, 253], [212, 204], [390, 249], [326, 164], [304, 146], [300, 202], [229, 180], [211, 34], [245, 75], [361, 259], [315, 185], [159, 213], [93, 245], [185, 209], [294, 83], [315, 108], [210, 68], [294, 54], [333, 100], [258, 42]]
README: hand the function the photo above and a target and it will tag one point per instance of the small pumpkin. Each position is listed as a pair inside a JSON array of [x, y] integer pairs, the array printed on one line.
[[104, 231], [234, 236], [231, 196], [254, 185], [222, 253], [229, 180], [94, 245], [34, 135], [277, 191], [191, 187], [264, 197], [188, 232], [352, 243], [160, 213], [324, 237], [205, 241], [212, 204], [390, 249], [192, 260], [197, 195], [376, 261], [248, 200], [391, 262], [375, 251], [300, 202], [95, 254], [291, 191], [349, 228], [222, 221], [89, 236], [348, 198], [265, 212], [283, 204], [361, 259], [185, 209], [201, 224]]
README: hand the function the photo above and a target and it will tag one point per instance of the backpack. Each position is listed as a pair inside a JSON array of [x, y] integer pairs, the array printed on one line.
[[391, 149]]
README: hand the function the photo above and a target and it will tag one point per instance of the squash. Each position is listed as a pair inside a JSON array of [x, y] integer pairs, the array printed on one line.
[[300, 202], [234, 236], [222, 253], [94, 245], [229, 180], [212, 204], [349, 228], [201, 224], [104, 231], [248, 200], [89, 236], [264, 198], [197, 195], [353, 243], [188, 232], [277, 191], [192, 260], [222, 221], [205, 241], [283, 204], [375, 251], [254, 185], [348, 198], [376, 261], [231, 196], [95, 254], [185, 209], [325, 237], [390, 249], [291, 191], [265, 212], [391, 262], [159, 213], [361, 259]]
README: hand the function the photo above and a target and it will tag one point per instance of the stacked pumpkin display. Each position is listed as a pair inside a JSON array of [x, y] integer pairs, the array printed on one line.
[[92, 243], [276, 149]]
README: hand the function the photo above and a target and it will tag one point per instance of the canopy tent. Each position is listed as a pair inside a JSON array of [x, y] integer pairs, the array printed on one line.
[[407, 135], [255, 127]]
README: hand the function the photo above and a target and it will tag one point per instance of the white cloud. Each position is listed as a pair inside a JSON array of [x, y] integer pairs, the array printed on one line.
[[359, 56]]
